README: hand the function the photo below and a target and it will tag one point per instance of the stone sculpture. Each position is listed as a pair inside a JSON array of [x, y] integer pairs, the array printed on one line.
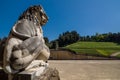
[[25, 42]]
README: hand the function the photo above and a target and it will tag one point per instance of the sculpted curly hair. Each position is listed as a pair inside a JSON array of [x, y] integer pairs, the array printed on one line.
[[35, 14]]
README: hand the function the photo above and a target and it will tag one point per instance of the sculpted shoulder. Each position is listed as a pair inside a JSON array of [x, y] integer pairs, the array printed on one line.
[[24, 29]]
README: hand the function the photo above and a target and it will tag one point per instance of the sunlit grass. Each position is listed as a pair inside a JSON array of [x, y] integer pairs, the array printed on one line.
[[95, 48]]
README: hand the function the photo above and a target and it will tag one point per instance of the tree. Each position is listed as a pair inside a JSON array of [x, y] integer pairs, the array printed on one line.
[[68, 38], [46, 41], [2, 46]]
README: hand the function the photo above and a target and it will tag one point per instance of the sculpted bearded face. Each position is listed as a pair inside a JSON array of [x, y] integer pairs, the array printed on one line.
[[35, 14]]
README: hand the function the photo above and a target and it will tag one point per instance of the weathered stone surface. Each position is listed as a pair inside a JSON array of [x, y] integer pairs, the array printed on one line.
[[47, 74], [24, 45], [3, 75], [50, 74], [25, 41]]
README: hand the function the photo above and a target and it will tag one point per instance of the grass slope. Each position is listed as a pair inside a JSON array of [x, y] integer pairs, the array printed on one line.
[[95, 48]]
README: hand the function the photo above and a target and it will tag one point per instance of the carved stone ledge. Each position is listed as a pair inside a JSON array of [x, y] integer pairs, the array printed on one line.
[[44, 74]]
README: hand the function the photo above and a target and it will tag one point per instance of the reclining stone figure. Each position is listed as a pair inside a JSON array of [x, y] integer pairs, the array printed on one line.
[[25, 41]]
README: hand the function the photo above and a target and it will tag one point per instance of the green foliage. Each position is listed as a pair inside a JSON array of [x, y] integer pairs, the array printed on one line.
[[95, 45], [46, 41], [64, 39], [54, 44], [91, 52], [2, 46], [68, 38], [107, 37], [95, 48]]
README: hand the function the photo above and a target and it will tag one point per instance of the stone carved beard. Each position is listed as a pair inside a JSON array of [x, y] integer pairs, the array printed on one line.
[[35, 14]]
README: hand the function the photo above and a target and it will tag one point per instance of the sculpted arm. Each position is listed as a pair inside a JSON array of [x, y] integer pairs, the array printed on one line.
[[8, 53]]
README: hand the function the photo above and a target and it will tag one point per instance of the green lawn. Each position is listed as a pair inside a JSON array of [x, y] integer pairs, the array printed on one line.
[[94, 48]]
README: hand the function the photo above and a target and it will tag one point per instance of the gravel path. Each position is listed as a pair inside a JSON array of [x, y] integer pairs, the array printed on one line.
[[87, 69]]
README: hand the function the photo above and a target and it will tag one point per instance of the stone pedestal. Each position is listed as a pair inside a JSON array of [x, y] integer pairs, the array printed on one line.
[[40, 73], [3, 75]]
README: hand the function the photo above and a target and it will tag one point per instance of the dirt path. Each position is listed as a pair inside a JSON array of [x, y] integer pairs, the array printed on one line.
[[115, 54], [88, 69]]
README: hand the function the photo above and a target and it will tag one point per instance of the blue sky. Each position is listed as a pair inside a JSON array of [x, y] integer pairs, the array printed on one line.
[[85, 16]]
